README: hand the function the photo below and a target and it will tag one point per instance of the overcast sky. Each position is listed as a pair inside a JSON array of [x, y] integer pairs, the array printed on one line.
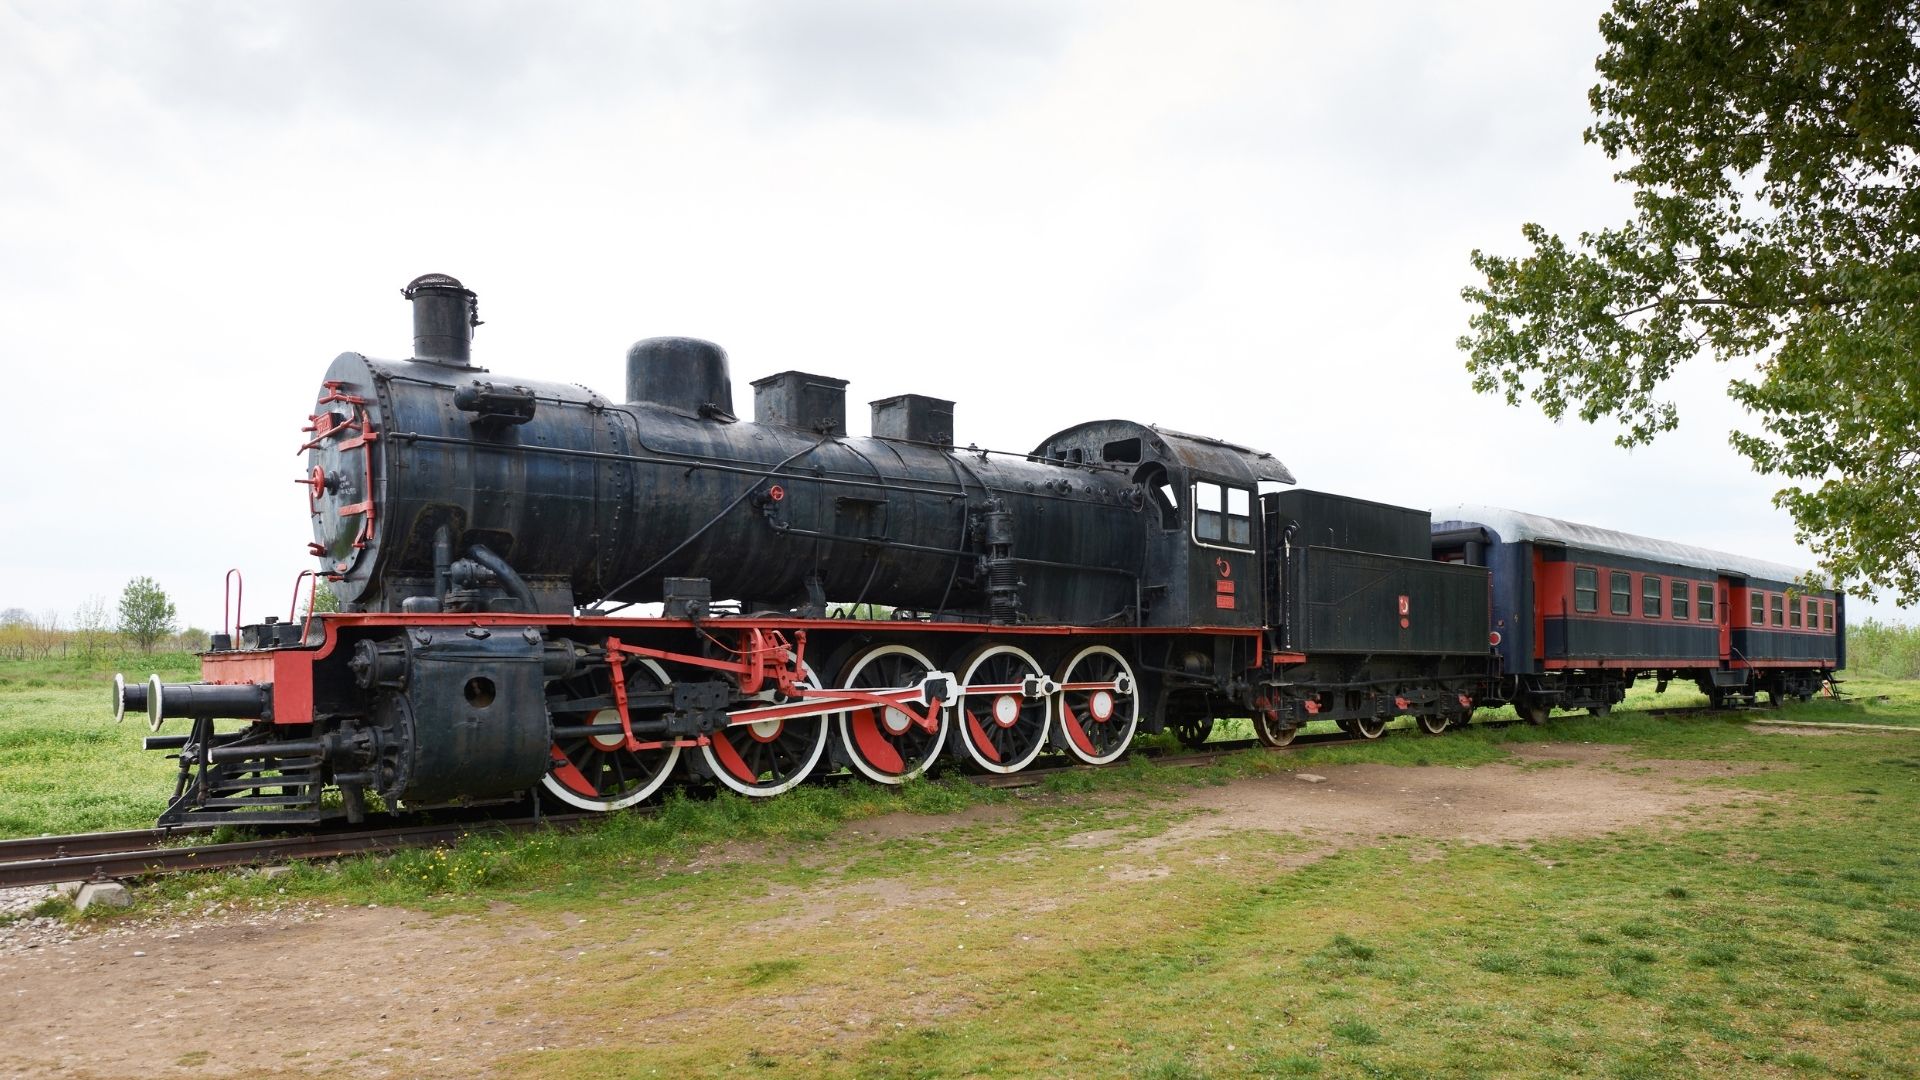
[[1247, 220]]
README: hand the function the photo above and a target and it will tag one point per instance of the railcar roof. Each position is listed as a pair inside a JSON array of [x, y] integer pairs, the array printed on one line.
[[1512, 526]]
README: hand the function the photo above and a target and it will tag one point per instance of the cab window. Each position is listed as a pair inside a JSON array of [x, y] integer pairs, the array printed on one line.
[[1207, 512], [1586, 589], [1222, 515], [1240, 517], [1650, 596]]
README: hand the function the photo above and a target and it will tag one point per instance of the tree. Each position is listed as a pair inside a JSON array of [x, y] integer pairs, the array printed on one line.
[[324, 600], [1773, 147], [146, 613], [90, 625], [44, 634]]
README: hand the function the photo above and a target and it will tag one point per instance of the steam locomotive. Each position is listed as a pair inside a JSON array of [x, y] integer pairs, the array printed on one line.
[[488, 540]]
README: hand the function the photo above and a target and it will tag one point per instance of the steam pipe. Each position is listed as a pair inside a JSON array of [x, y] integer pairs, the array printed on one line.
[[515, 586]]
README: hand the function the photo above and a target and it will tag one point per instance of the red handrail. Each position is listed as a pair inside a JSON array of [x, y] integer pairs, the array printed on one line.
[[293, 605], [229, 603]]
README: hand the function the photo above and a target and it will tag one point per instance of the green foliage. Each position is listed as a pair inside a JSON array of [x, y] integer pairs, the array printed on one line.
[[323, 600], [146, 613], [1774, 153], [1889, 650]]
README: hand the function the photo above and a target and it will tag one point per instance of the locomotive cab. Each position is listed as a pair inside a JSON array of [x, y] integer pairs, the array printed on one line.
[[1203, 538]]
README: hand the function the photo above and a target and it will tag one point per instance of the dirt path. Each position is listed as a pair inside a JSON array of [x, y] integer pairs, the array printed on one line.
[[383, 992]]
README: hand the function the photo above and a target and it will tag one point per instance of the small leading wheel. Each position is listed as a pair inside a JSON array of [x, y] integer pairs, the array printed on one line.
[[1370, 729], [1192, 730], [1271, 730], [769, 757], [597, 772], [1099, 706], [999, 725], [887, 745], [1434, 723]]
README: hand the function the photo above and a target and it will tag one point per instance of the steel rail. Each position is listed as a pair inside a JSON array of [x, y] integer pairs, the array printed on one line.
[[31, 848], [106, 865]]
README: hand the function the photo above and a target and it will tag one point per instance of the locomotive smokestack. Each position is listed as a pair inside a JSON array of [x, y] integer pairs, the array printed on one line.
[[444, 315]]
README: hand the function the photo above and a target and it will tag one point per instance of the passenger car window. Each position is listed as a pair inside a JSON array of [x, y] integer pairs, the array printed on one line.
[[1795, 605], [1206, 512], [1704, 594], [1621, 586], [1586, 589], [1826, 614], [1758, 616], [1682, 592], [1779, 610], [1650, 596]]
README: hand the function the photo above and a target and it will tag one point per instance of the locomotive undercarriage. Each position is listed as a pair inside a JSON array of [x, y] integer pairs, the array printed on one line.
[[1360, 694], [602, 714]]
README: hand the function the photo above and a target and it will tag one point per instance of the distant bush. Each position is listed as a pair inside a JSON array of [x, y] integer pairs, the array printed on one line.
[[1889, 650]]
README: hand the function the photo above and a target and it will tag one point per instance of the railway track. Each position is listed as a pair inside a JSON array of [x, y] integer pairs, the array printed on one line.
[[49, 860]]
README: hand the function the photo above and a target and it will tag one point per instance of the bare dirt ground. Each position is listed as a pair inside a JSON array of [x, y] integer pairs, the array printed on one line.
[[384, 992]]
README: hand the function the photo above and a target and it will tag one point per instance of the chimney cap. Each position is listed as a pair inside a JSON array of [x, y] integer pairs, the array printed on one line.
[[434, 281]]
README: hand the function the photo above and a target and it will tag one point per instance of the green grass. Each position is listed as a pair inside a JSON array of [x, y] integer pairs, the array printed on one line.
[[65, 766]]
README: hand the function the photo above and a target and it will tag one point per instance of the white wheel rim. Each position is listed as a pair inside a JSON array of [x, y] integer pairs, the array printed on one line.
[[1130, 706], [1046, 717], [734, 783], [844, 720], [586, 802]]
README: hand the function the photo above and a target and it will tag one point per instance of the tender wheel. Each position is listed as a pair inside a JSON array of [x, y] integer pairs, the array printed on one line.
[[767, 758], [1465, 718], [888, 746], [998, 726], [1370, 729], [1271, 731], [1434, 723], [1192, 731], [1533, 712], [1099, 706], [1600, 710], [597, 772]]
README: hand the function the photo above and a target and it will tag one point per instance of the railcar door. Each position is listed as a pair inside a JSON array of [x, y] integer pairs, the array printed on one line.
[[1723, 617]]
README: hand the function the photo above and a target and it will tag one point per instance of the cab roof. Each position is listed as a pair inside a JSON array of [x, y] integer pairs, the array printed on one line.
[[1196, 453]]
